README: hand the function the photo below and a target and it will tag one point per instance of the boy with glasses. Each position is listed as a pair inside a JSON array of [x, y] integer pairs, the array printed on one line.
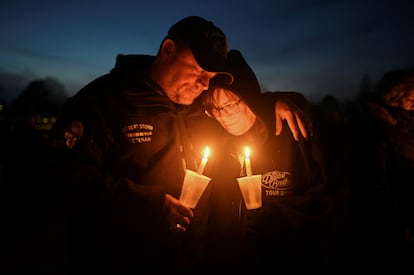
[[292, 227]]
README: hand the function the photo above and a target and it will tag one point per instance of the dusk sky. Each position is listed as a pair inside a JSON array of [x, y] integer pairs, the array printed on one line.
[[314, 47]]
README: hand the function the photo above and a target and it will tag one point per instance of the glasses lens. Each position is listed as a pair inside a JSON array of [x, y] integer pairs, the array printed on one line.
[[232, 108]]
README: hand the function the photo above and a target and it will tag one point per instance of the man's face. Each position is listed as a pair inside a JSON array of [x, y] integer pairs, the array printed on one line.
[[407, 102], [184, 79]]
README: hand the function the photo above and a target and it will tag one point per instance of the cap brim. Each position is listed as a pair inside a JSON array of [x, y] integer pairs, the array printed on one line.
[[227, 77]]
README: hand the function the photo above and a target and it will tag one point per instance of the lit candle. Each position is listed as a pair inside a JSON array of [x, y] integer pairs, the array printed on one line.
[[203, 161], [247, 161]]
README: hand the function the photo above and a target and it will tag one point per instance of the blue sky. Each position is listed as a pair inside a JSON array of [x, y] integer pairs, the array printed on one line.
[[314, 47]]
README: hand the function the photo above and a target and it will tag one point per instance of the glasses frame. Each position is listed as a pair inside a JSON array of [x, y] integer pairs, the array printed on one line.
[[232, 108]]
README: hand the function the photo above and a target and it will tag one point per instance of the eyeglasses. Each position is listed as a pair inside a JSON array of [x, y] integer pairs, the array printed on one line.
[[231, 108]]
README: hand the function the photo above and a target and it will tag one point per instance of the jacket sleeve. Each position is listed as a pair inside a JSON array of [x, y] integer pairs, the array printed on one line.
[[82, 139]]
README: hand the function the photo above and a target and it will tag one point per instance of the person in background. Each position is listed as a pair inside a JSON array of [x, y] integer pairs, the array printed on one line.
[[384, 162], [293, 229], [122, 144]]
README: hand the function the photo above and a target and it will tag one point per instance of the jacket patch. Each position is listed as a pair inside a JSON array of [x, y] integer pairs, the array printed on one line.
[[277, 183], [138, 132]]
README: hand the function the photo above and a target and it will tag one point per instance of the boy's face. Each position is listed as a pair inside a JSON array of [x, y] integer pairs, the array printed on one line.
[[231, 112]]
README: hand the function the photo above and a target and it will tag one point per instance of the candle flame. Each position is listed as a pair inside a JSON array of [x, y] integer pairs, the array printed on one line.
[[247, 152], [206, 152], [203, 161]]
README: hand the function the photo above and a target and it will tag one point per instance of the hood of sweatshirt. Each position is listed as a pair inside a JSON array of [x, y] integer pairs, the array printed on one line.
[[245, 84]]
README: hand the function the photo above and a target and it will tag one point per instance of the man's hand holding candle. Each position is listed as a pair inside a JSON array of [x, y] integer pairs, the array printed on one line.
[[179, 215]]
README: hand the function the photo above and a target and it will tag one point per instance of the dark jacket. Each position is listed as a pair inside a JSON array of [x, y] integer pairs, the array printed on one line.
[[391, 162], [128, 145], [383, 164]]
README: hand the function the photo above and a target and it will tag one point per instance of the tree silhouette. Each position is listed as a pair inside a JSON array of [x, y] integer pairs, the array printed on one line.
[[40, 97]]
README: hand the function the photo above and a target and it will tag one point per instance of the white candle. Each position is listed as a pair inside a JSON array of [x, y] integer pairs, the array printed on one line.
[[203, 161], [247, 161]]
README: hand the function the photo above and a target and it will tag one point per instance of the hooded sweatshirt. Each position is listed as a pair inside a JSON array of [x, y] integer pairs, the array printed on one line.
[[291, 225]]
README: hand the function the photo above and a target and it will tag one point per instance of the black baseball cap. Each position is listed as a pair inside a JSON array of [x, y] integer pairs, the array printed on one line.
[[207, 42]]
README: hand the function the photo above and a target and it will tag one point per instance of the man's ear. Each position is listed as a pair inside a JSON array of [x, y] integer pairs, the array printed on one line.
[[168, 47]]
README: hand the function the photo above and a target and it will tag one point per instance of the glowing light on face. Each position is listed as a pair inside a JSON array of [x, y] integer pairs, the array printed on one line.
[[233, 114]]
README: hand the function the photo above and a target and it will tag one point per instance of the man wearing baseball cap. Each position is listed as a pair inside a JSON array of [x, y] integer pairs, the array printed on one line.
[[127, 138]]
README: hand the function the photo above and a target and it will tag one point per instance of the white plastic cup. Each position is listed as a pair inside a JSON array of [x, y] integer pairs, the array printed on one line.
[[193, 187], [251, 189]]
